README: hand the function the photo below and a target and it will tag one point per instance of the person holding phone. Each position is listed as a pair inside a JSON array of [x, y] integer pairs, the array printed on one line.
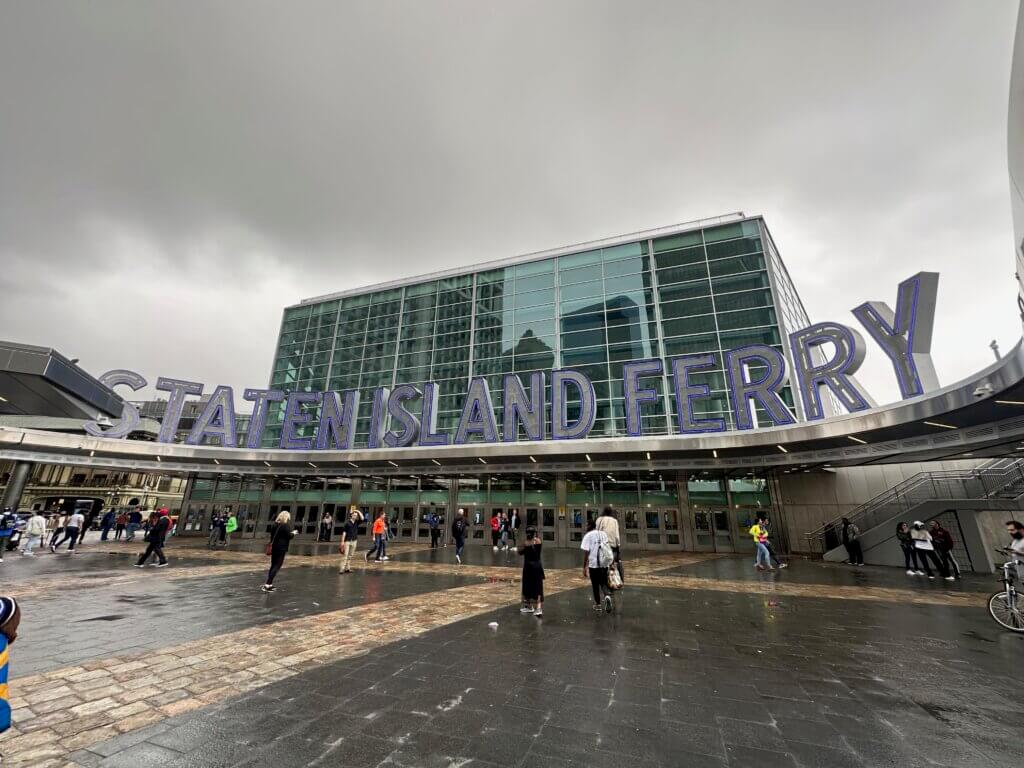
[[533, 574]]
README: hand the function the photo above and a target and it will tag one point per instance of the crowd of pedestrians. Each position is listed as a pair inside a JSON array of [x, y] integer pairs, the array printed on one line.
[[926, 547]]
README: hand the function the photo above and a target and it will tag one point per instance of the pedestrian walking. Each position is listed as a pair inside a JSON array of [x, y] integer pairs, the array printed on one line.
[[943, 541], [906, 542], [495, 530], [35, 529], [119, 524], [157, 534], [925, 548], [280, 538], [8, 522], [75, 523], [533, 574], [514, 521], [597, 559], [380, 538], [326, 524], [434, 522], [106, 523], [459, 529], [851, 541], [349, 540], [87, 520], [10, 618], [608, 523], [58, 529], [134, 521], [230, 526], [762, 558], [503, 531]]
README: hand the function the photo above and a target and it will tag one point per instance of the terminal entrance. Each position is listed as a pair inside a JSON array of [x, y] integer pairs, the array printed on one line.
[[657, 510]]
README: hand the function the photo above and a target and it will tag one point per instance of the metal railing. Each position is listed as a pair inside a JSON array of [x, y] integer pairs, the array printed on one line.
[[997, 479]]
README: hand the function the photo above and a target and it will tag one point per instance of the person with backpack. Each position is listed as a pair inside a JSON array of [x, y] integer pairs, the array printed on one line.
[[459, 529], [597, 559], [851, 541], [608, 523], [435, 528], [157, 535], [8, 521], [35, 529]]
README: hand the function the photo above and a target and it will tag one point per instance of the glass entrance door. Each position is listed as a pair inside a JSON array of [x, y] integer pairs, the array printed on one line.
[[712, 530], [629, 529], [402, 519], [579, 521], [423, 527], [661, 529]]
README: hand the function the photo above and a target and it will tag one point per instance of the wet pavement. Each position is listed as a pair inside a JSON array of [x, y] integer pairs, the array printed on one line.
[[401, 668]]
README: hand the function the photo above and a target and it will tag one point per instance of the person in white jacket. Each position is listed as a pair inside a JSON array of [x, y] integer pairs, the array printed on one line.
[[925, 549], [35, 529]]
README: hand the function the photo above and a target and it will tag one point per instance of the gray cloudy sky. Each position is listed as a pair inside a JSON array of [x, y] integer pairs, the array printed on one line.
[[173, 174]]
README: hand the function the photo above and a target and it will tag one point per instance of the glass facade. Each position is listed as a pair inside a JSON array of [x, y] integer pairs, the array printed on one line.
[[701, 290]]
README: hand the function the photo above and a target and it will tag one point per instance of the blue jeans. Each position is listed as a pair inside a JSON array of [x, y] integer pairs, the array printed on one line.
[[381, 540], [132, 528], [763, 558], [459, 546]]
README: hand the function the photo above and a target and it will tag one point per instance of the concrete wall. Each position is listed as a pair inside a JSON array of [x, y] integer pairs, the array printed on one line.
[[812, 498]]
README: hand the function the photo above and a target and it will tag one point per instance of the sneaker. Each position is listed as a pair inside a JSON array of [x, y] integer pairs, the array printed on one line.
[[910, 573], [538, 614], [162, 565], [919, 573], [267, 588], [524, 609], [950, 578], [783, 565], [458, 560], [139, 565], [932, 578], [367, 557], [495, 549], [385, 558], [608, 603], [53, 548]]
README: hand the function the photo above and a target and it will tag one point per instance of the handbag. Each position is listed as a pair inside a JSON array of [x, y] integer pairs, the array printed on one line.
[[614, 580], [269, 549]]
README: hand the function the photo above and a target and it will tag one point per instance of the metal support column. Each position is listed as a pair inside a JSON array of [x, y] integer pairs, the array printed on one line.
[[16, 485]]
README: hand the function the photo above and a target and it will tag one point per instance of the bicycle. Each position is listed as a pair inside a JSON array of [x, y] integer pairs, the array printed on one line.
[[1005, 606]]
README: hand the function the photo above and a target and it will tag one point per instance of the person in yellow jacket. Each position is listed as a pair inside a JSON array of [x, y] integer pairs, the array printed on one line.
[[759, 533]]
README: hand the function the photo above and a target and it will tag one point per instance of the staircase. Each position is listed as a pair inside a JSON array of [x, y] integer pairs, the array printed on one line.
[[999, 479]]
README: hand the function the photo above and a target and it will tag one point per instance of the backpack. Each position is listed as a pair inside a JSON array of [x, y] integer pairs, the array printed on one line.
[[605, 553]]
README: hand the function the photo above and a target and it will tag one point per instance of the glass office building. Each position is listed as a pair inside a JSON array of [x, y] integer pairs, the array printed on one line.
[[704, 287]]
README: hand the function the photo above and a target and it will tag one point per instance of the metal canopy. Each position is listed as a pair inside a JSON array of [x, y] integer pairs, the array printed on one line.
[[38, 381], [980, 416]]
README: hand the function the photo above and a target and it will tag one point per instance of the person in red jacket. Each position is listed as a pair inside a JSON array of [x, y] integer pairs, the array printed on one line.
[[495, 530], [943, 541]]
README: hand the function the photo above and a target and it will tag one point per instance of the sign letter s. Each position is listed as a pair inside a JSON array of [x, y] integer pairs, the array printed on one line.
[[129, 413]]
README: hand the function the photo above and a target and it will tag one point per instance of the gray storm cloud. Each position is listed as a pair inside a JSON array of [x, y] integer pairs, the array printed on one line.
[[172, 175]]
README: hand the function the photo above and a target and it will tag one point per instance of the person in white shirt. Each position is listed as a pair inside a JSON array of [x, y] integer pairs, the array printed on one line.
[[1016, 530], [75, 523], [925, 549], [35, 529], [608, 523], [597, 558]]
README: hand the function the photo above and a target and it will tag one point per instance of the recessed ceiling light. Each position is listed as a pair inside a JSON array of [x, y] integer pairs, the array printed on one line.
[[352, 463], [158, 458], [1000, 402], [714, 453], [3, 399], [648, 455], [436, 462], [92, 453], [216, 461], [392, 463], [782, 448], [481, 460], [311, 464], [938, 424], [857, 440], [267, 463], [533, 460], [587, 455]]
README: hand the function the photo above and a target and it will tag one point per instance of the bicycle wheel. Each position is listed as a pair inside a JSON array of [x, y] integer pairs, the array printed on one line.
[[1006, 613]]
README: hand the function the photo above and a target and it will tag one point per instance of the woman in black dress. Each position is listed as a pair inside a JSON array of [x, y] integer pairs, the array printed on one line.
[[281, 534], [533, 574]]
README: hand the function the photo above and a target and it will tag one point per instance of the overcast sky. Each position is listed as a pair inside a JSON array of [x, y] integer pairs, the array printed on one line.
[[173, 174]]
